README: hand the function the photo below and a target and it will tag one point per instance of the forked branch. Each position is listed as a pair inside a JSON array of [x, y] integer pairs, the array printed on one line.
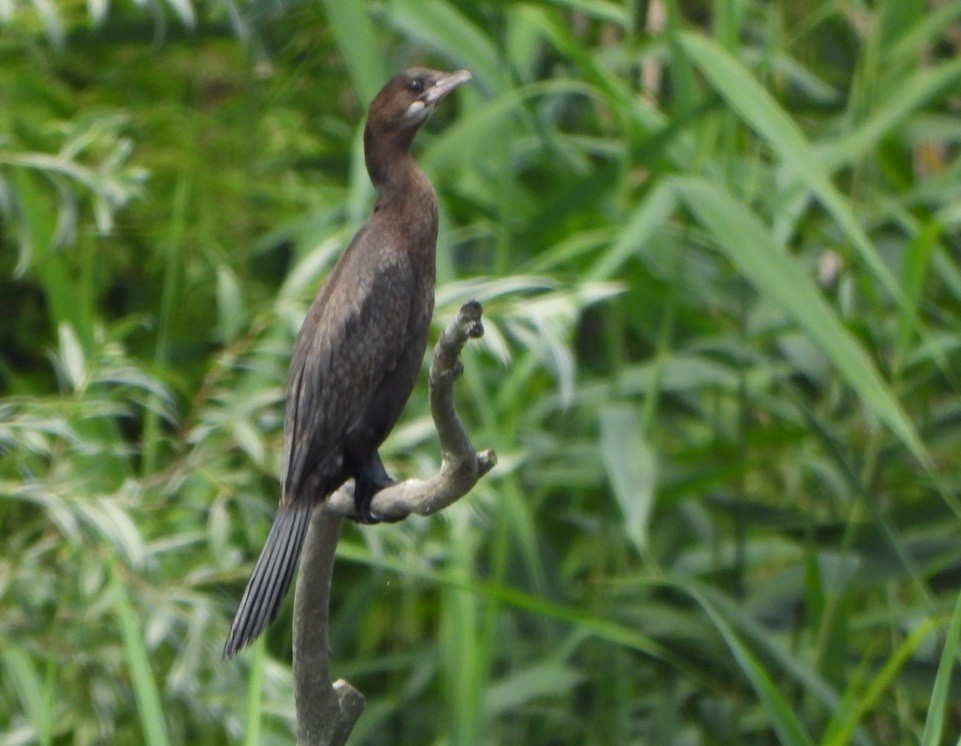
[[326, 712]]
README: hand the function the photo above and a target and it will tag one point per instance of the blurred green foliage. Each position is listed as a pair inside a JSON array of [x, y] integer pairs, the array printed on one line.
[[717, 245]]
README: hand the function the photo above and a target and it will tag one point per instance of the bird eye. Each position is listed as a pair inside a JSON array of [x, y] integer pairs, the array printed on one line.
[[415, 86]]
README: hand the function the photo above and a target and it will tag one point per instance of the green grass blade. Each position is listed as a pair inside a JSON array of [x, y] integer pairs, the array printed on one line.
[[840, 732], [779, 710], [749, 245], [255, 688], [653, 212], [914, 270], [671, 140], [20, 670], [49, 721], [358, 42], [47, 11], [151, 430], [913, 95], [464, 658], [793, 663], [600, 626], [934, 723], [138, 660], [736, 85], [848, 473], [443, 27], [471, 139], [924, 32], [631, 468], [683, 78], [516, 690]]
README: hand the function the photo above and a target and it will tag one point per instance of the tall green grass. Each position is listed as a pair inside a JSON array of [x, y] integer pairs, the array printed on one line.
[[722, 316]]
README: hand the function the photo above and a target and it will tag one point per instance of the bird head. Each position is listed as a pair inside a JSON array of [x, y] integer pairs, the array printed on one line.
[[408, 99]]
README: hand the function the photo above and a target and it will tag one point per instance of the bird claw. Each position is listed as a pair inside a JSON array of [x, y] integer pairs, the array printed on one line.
[[368, 518], [370, 480]]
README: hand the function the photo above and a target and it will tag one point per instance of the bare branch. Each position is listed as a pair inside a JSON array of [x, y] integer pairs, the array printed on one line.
[[326, 712]]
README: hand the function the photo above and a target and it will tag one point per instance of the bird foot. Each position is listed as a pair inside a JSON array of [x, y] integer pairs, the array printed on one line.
[[370, 480]]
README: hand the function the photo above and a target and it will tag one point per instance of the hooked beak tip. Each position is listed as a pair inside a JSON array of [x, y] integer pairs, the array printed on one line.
[[444, 85]]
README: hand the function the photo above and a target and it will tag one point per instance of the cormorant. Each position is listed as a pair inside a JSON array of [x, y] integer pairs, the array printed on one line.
[[360, 347]]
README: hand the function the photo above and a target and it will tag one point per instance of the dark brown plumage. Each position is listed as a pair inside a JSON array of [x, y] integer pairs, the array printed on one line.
[[360, 347]]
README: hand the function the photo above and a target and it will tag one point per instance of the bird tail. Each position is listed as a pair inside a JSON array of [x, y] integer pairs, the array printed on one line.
[[271, 576]]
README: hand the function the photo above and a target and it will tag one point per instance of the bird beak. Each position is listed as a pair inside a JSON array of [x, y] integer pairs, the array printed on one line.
[[444, 85]]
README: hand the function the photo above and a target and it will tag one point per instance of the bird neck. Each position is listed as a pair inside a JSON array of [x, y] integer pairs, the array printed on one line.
[[396, 176]]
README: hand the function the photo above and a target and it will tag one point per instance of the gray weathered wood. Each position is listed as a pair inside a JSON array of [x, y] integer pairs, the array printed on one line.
[[326, 712]]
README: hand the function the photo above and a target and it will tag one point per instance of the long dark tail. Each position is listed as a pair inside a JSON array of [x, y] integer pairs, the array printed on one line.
[[270, 579]]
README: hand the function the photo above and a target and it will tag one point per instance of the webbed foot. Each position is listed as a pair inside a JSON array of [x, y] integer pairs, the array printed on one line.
[[370, 479]]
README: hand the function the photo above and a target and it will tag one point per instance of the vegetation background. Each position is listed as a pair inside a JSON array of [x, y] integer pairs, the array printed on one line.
[[717, 245]]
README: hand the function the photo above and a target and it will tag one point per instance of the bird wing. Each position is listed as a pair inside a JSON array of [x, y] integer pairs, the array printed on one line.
[[351, 338]]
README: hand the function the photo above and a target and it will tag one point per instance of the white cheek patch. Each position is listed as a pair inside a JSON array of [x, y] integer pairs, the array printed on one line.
[[417, 111]]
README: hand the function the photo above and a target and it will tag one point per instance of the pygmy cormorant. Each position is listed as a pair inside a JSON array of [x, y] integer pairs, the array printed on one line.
[[360, 347]]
